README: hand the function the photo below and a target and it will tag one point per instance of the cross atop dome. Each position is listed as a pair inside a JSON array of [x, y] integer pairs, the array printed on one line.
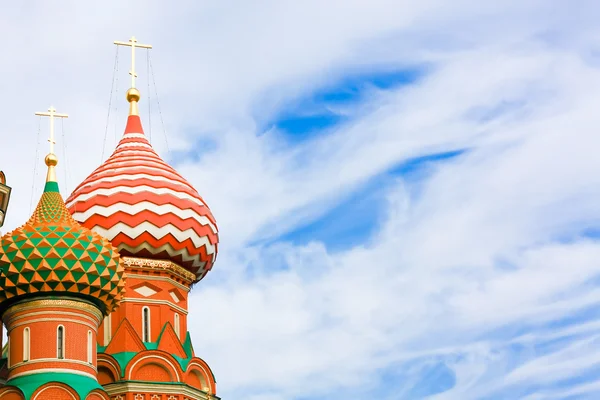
[[52, 114], [133, 43], [51, 159], [133, 95]]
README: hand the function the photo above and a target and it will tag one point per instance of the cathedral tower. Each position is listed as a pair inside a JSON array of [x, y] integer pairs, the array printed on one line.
[[168, 239], [58, 280], [94, 290]]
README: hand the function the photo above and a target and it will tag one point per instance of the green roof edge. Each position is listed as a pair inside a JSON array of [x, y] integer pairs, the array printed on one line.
[[28, 384]]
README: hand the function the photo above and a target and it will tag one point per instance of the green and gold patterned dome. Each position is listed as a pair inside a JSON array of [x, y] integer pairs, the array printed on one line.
[[53, 255]]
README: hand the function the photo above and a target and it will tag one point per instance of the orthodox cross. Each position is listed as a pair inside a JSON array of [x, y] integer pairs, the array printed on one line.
[[52, 114], [133, 43]]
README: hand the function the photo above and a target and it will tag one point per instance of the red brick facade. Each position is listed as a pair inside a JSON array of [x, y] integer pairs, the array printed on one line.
[[160, 287]]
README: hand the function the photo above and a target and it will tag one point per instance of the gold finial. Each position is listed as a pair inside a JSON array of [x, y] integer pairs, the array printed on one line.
[[133, 95], [51, 159]]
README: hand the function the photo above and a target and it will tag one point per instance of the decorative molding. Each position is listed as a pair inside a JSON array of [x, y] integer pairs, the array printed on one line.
[[60, 303], [9, 390], [37, 396], [175, 296], [57, 360], [103, 358], [145, 290], [120, 388], [207, 374], [170, 266], [54, 312], [153, 301], [65, 370], [29, 322], [131, 369], [145, 277]]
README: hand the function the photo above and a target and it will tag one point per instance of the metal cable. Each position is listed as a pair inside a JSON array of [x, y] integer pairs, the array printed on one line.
[[64, 143], [149, 106], [117, 102], [158, 105], [37, 149], [112, 85]]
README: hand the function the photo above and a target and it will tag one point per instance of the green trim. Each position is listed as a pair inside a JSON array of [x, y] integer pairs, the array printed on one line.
[[123, 359], [187, 345], [151, 345], [28, 384], [51, 187], [183, 362]]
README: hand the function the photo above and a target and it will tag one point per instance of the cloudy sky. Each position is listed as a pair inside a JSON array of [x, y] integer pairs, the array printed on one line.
[[407, 191]]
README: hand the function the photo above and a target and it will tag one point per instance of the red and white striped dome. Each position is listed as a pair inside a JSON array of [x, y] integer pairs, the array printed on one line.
[[145, 208]]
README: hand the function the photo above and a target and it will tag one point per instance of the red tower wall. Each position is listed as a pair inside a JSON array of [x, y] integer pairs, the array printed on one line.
[[163, 289], [40, 319]]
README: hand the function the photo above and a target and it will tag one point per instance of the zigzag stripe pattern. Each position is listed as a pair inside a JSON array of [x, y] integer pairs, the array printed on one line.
[[159, 211], [128, 178], [108, 190], [145, 208]]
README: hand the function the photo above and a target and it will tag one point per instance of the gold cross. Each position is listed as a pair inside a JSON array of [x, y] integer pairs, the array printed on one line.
[[133, 44], [52, 114]]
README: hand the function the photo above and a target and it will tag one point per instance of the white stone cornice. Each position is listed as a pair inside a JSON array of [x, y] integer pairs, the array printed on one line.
[[120, 388]]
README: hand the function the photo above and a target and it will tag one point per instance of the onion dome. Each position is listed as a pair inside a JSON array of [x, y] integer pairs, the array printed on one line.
[[52, 255], [144, 207]]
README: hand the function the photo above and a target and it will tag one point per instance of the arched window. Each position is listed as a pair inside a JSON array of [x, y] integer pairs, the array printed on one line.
[[60, 342], [107, 329], [89, 347], [146, 324], [176, 322], [26, 344]]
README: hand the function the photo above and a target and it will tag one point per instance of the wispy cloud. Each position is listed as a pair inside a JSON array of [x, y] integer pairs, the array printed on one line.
[[390, 233]]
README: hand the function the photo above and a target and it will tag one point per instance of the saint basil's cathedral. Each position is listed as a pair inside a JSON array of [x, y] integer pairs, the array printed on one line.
[[94, 289]]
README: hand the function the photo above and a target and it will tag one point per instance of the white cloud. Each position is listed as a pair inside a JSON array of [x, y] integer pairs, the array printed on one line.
[[474, 250]]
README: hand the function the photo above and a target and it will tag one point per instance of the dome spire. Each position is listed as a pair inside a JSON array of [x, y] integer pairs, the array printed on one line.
[[143, 206], [53, 255], [51, 159], [133, 95]]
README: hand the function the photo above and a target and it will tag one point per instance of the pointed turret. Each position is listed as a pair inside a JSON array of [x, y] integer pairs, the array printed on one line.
[[58, 278], [168, 238], [53, 254]]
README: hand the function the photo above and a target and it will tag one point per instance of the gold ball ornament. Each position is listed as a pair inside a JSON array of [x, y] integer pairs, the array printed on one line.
[[51, 160], [133, 95]]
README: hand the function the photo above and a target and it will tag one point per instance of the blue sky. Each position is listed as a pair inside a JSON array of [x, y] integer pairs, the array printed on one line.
[[406, 192]]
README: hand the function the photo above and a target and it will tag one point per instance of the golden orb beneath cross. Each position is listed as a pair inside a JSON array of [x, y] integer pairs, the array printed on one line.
[[51, 160], [133, 95]]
